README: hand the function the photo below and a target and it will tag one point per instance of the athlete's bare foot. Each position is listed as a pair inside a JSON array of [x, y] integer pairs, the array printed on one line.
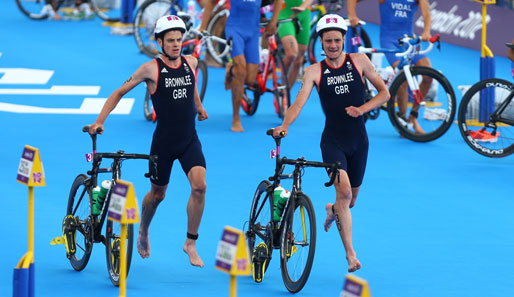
[[190, 249], [237, 127], [228, 76], [143, 244], [416, 126], [353, 264], [330, 217]]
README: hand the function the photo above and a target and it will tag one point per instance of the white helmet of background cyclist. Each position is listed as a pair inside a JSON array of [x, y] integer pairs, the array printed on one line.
[[169, 22], [331, 22]]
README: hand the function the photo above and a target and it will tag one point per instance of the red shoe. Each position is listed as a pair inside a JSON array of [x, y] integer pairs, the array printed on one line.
[[484, 136]]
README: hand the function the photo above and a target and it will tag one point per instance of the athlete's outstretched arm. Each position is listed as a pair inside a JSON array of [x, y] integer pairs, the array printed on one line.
[[427, 20], [141, 74], [312, 73]]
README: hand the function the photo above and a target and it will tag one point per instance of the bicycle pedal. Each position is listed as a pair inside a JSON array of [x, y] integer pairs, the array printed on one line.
[[259, 261], [69, 235]]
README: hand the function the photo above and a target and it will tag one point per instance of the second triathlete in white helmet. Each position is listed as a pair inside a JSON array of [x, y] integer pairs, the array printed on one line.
[[338, 80]]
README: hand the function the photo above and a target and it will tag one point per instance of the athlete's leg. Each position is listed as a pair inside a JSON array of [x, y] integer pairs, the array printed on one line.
[[290, 52], [195, 208], [238, 80], [340, 212], [297, 63], [150, 203], [427, 81]]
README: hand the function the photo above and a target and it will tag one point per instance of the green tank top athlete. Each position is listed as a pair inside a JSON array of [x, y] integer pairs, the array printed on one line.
[[288, 28]]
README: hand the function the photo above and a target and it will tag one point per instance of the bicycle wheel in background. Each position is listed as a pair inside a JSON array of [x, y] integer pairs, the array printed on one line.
[[144, 23], [113, 248], [79, 209], [489, 138], [435, 116], [250, 100], [201, 78], [281, 95], [105, 10], [148, 107], [298, 244], [216, 27], [315, 52], [35, 9], [261, 213]]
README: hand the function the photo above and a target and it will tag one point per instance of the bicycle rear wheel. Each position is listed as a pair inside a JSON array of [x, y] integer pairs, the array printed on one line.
[[216, 27], [35, 9], [261, 215], [201, 78], [79, 206], [486, 136], [113, 248], [281, 94], [298, 243], [144, 23], [435, 114]]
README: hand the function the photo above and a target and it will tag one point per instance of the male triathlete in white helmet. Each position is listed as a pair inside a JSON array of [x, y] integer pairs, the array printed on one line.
[[171, 81], [338, 80]]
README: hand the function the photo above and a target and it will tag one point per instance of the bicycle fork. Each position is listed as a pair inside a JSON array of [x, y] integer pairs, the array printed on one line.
[[413, 86]]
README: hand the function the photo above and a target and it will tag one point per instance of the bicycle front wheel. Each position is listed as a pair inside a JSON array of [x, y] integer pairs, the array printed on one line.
[[105, 10], [486, 116], [259, 226], [281, 94], [201, 78], [144, 22], [435, 112], [79, 206], [113, 248], [298, 243]]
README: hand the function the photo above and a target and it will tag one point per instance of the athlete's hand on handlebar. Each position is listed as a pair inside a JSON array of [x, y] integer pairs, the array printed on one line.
[[278, 132], [425, 36], [96, 129]]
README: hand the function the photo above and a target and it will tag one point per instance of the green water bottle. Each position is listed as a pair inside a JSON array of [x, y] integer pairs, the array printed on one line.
[[99, 194], [280, 196]]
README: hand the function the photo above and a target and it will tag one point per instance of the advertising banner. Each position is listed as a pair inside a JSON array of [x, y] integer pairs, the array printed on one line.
[[458, 22]]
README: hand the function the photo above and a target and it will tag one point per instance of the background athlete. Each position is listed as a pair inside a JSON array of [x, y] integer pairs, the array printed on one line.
[[295, 43], [338, 80], [397, 19], [171, 81]]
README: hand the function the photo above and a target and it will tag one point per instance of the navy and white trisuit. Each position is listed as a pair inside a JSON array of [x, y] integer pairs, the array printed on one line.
[[344, 138], [175, 134]]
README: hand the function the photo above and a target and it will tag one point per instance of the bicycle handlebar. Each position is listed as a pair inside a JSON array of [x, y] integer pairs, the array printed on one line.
[[411, 41], [205, 35], [301, 162]]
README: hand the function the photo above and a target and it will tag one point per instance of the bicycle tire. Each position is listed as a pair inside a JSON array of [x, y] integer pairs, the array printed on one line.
[[314, 50], [443, 108], [294, 227], [281, 94], [201, 78], [148, 106], [108, 16], [112, 248], [214, 49], [261, 214], [33, 9], [250, 100], [79, 206], [468, 117], [144, 22]]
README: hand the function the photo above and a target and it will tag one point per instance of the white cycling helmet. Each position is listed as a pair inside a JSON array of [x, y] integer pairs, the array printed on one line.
[[169, 22], [331, 22]]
